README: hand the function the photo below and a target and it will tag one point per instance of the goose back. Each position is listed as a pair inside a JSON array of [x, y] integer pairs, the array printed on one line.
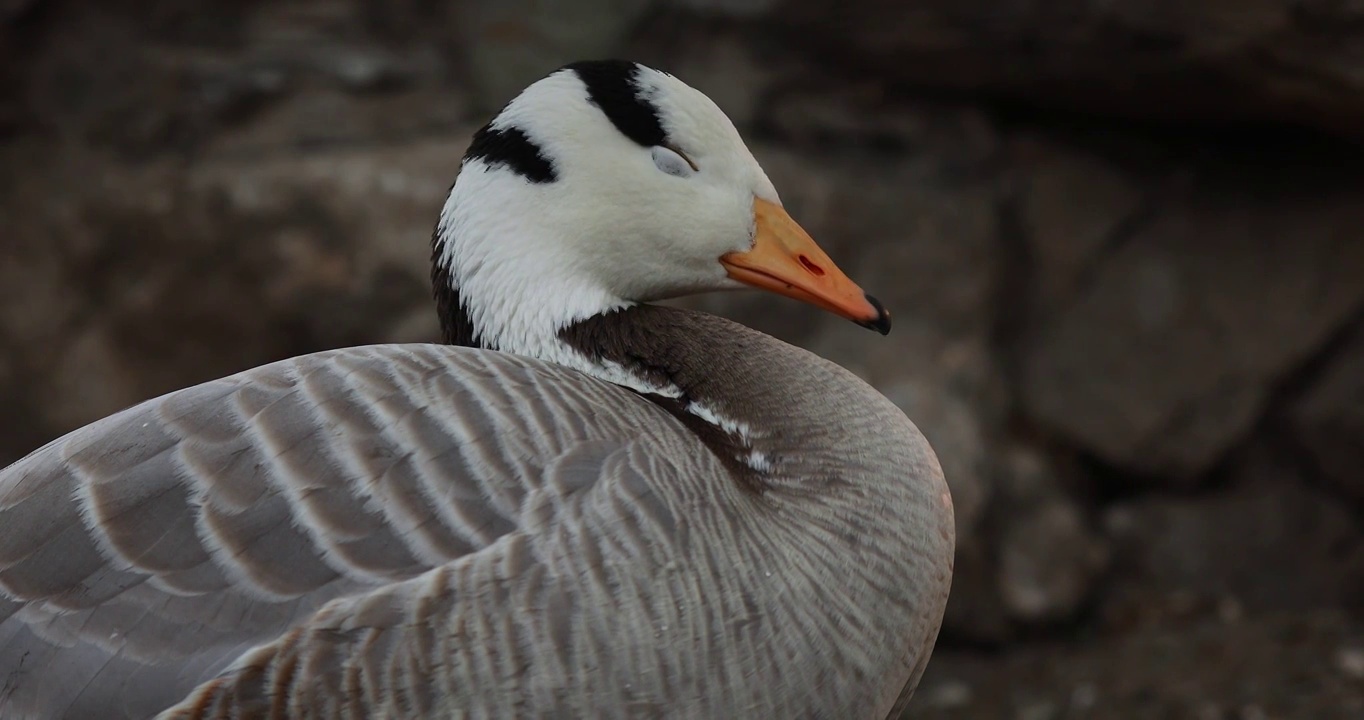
[[419, 530]]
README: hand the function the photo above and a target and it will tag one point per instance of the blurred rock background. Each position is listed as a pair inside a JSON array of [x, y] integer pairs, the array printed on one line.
[[1124, 243]]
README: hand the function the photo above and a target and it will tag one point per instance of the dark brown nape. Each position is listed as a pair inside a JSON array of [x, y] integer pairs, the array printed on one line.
[[456, 327], [669, 347], [661, 346]]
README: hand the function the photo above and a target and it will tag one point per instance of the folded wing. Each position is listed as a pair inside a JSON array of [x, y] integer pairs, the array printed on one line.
[[143, 554]]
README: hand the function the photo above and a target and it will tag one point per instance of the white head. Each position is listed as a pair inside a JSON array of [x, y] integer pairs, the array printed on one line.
[[609, 183]]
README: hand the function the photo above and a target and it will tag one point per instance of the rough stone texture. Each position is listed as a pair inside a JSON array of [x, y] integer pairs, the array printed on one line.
[[1329, 419], [1166, 357], [1050, 555], [1276, 666], [142, 82], [1260, 60], [1266, 542], [1072, 206], [1136, 349]]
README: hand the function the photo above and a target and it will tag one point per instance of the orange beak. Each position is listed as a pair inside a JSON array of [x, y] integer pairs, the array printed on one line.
[[786, 261]]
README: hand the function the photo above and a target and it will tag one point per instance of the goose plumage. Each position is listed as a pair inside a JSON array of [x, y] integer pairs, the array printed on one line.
[[580, 505]]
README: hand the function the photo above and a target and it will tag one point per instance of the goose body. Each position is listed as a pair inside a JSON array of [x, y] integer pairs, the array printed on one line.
[[582, 506]]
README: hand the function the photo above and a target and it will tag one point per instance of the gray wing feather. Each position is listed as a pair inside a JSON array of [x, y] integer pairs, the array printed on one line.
[[428, 645], [145, 553]]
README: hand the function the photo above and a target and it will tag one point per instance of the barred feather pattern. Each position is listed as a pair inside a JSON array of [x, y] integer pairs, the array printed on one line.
[[410, 531]]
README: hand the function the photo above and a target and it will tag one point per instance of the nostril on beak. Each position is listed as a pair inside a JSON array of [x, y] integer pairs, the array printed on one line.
[[808, 264]]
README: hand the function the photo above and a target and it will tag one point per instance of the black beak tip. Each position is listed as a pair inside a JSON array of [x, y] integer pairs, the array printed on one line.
[[882, 322]]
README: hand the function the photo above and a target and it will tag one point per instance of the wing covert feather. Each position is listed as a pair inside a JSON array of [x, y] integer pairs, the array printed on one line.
[[146, 552]]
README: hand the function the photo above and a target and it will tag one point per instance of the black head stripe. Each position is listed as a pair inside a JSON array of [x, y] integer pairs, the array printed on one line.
[[612, 86], [510, 148]]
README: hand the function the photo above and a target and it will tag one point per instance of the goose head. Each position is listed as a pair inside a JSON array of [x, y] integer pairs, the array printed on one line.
[[607, 184]]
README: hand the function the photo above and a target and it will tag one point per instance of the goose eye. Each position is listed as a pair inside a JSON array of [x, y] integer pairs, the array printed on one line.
[[672, 162]]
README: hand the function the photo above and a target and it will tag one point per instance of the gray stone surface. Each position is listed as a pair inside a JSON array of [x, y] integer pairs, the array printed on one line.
[[1328, 420], [1051, 555], [1072, 206], [1167, 356], [1266, 542], [1280, 60], [1280, 666]]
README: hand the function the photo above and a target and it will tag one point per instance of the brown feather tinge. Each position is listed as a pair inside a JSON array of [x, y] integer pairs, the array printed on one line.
[[592, 554], [464, 503], [126, 441], [404, 489], [44, 510], [146, 517], [264, 547], [202, 412], [67, 570], [230, 475], [668, 349], [306, 466]]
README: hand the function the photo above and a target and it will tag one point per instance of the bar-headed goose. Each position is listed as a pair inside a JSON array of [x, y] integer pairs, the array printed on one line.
[[596, 508]]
